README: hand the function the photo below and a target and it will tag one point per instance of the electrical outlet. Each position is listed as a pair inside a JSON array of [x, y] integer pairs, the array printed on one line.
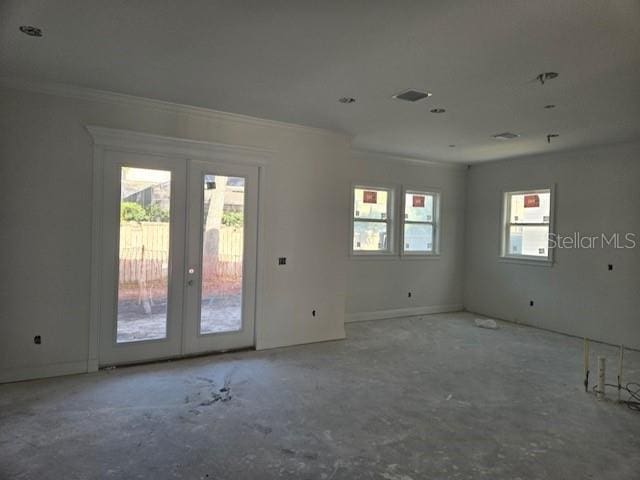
[[313, 313], [37, 339], [531, 303], [282, 260], [409, 295], [610, 267]]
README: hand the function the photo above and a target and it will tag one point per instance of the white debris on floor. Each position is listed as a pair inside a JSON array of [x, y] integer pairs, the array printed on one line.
[[486, 323]]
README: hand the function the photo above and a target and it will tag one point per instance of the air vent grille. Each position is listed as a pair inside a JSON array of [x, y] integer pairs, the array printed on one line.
[[505, 136], [411, 95]]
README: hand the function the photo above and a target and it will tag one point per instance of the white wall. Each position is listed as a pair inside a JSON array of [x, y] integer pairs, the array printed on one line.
[[45, 218], [597, 190], [45, 213], [378, 287]]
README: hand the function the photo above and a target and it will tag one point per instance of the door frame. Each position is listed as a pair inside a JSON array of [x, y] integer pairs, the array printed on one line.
[[128, 141]]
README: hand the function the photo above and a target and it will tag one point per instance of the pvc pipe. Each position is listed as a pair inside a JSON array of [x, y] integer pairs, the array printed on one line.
[[586, 364], [601, 377], [620, 360]]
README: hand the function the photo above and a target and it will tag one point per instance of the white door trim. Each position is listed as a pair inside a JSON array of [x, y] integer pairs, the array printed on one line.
[[109, 139]]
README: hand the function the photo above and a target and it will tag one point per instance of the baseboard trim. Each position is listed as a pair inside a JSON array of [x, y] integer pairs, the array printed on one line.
[[70, 368], [551, 330], [31, 373], [401, 312]]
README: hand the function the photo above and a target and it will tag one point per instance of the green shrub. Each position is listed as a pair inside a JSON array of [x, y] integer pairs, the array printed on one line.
[[232, 219], [155, 213], [132, 212]]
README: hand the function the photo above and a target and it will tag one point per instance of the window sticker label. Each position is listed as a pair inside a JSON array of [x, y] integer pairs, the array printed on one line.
[[418, 201], [369, 197], [531, 201]]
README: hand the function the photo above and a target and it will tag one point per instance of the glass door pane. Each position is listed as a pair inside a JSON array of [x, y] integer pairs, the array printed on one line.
[[143, 270], [223, 228]]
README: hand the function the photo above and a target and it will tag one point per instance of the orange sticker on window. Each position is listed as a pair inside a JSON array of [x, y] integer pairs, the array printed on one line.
[[369, 197], [418, 200], [531, 201]]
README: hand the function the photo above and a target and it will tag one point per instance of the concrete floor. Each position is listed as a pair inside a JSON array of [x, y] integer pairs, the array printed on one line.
[[404, 399]]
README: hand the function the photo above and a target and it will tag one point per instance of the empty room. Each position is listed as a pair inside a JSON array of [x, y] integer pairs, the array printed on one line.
[[357, 239]]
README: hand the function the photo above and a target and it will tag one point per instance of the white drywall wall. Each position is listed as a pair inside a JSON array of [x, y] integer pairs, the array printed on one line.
[[597, 191], [45, 211], [378, 287]]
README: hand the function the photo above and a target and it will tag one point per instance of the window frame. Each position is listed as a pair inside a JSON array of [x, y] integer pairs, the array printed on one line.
[[505, 225], [435, 223], [390, 220]]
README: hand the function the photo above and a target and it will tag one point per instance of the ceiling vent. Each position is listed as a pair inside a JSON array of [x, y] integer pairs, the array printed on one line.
[[411, 95], [505, 136]]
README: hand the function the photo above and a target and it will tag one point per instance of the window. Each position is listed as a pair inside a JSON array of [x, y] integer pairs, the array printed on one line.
[[372, 220], [420, 223], [527, 224]]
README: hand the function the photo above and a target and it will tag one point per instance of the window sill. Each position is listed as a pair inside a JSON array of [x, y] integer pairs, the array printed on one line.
[[393, 256], [373, 256], [536, 262], [420, 256]]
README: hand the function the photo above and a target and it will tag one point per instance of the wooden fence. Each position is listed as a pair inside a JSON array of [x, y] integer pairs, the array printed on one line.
[[144, 259]]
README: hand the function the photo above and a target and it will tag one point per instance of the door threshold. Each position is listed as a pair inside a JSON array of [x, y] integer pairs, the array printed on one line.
[[175, 358]]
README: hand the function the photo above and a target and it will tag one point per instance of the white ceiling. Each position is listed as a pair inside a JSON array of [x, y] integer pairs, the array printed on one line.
[[290, 60]]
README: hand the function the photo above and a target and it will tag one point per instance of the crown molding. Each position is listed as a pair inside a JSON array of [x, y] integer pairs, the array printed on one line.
[[411, 160], [113, 98]]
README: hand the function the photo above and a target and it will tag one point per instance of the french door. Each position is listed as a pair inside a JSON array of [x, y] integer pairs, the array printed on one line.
[[179, 257]]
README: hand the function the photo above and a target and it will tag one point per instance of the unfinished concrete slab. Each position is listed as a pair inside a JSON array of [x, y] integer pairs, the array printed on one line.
[[402, 399]]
